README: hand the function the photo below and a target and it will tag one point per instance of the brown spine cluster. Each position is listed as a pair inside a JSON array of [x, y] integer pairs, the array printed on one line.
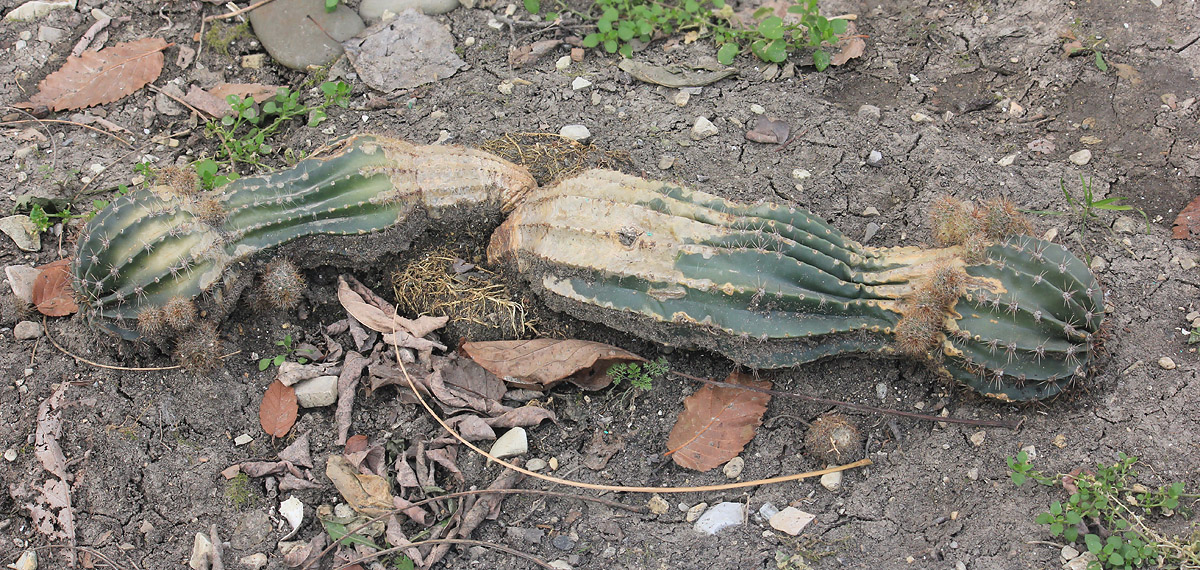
[[282, 285], [924, 319], [956, 222], [200, 349]]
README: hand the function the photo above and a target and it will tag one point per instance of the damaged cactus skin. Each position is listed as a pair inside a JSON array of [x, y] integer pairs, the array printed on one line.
[[163, 243], [771, 286]]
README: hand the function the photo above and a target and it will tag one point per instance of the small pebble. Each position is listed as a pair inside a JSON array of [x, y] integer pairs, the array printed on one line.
[[1060, 441], [1008, 160], [10, 455], [874, 158], [576, 132], [580, 83], [561, 565], [505, 87], [242, 439], [514, 442], [757, 109], [576, 55], [767, 511], [791, 520], [562, 63], [1098, 264], [703, 128], [868, 112], [256, 561], [535, 464], [681, 98], [1166, 363], [202, 550], [881, 390], [721, 516], [27, 561], [832, 481], [921, 118], [1081, 158], [1068, 553], [800, 173], [27, 330], [695, 511], [665, 162], [733, 469], [563, 542], [658, 505], [977, 438], [973, 473], [870, 212], [553, 463]]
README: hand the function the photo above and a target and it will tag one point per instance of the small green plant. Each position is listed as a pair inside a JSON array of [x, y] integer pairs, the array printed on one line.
[[288, 350], [1088, 207], [238, 491], [1194, 335], [1089, 44], [1108, 512], [770, 38], [221, 35], [331, 5], [245, 135], [640, 375]]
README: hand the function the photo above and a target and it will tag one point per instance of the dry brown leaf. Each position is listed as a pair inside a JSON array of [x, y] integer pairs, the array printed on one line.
[[368, 494], [1187, 224], [599, 451], [278, 411], [851, 48], [541, 363], [524, 416], [207, 102], [369, 315], [257, 91], [298, 452], [769, 131], [52, 290], [528, 54], [717, 422], [99, 77], [1128, 73]]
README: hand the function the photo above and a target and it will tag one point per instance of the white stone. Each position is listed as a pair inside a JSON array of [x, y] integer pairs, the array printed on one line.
[[921, 118], [256, 561], [681, 98], [202, 550], [505, 87], [800, 173], [561, 564], [1069, 553], [757, 109], [658, 505], [292, 511], [703, 128], [832, 481], [242, 439], [1098, 264], [22, 231], [535, 464], [1166, 363], [375, 10], [978, 437], [733, 469], [870, 212], [721, 516], [1081, 158], [575, 132], [1008, 160], [27, 561], [1125, 225], [514, 442], [562, 62], [36, 9], [10, 455], [695, 511], [791, 520], [317, 392], [27, 330], [1081, 562], [665, 162], [580, 83], [20, 279]]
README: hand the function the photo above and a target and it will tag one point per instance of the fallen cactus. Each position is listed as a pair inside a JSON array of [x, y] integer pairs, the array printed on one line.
[[768, 286]]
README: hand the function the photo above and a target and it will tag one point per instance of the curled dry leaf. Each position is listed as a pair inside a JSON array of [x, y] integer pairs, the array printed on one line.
[[849, 46], [717, 422], [530, 53], [52, 290], [769, 131], [1187, 224], [541, 363], [278, 411], [98, 77], [368, 494], [257, 91]]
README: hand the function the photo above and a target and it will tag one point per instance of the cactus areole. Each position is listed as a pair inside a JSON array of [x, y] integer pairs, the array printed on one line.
[[768, 286]]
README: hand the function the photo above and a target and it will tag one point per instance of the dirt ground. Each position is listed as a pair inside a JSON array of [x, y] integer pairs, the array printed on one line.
[[945, 92]]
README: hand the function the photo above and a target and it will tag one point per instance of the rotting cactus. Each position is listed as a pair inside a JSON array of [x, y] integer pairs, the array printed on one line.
[[771, 286], [175, 242]]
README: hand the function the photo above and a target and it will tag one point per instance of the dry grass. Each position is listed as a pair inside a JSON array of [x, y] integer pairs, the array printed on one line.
[[431, 285], [550, 157]]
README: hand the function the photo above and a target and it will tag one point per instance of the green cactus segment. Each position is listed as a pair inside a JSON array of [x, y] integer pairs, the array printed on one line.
[[153, 245]]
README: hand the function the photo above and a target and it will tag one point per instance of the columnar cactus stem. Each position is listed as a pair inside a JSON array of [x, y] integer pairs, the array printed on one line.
[[771, 287]]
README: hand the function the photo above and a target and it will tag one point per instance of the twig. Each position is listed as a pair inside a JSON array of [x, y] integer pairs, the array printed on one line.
[[75, 123], [236, 13], [85, 550], [606, 502], [859, 407], [46, 331], [41, 123], [85, 41]]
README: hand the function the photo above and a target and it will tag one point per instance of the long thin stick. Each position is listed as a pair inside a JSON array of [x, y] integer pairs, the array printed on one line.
[[236, 13], [401, 549], [46, 331]]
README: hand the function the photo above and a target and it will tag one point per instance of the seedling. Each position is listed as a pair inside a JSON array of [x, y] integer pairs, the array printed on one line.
[[1090, 44], [640, 375], [1088, 207], [1108, 512], [288, 349]]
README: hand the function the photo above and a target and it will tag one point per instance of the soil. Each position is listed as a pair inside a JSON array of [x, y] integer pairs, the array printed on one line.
[[936, 93]]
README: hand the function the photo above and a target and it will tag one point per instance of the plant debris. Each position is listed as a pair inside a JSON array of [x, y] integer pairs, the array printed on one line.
[[52, 294], [277, 414], [98, 77], [717, 422], [542, 363]]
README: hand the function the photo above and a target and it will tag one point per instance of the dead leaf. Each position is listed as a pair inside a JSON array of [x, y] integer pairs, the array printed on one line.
[[524, 416], [464, 383], [407, 51], [98, 77], [486, 507], [530, 53], [717, 422], [371, 316], [1069, 48], [599, 451], [278, 411], [445, 457], [207, 102], [49, 429], [769, 131], [378, 315], [352, 369], [293, 483], [1128, 73], [52, 293], [673, 75], [257, 91], [368, 494], [1043, 146], [301, 555], [541, 363], [1187, 224], [472, 427], [850, 46]]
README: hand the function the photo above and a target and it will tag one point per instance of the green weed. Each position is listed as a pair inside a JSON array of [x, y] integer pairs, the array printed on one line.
[[288, 350], [238, 491], [1108, 512], [640, 375], [1088, 208]]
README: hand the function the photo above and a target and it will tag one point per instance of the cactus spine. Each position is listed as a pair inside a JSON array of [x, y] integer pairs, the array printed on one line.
[[169, 242], [780, 287]]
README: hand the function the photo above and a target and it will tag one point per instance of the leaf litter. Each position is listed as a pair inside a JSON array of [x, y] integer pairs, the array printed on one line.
[[717, 423], [98, 77]]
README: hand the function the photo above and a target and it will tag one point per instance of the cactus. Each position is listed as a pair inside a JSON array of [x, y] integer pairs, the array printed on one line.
[[168, 242], [771, 286]]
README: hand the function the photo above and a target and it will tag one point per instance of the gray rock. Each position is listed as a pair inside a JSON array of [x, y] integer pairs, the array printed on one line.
[[22, 231], [529, 535], [733, 469], [256, 561], [832, 481], [202, 551], [872, 229], [317, 392], [252, 530], [407, 51], [27, 330], [576, 132], [1081, 158], [875, 158], [285, 31], [50, 34], [563, 542], [372, 10], [721, 516], [535, 464], [514, 442], [869, 112], [1125, 225], [703, 128]]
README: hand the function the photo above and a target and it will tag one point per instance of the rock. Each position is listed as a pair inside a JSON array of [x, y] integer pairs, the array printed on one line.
[[1187, 262], [1098, 264], [1007, 160], [703, 128], [284, 29], [1166, 363], [562, 63], [695, 511], [20, 279], [1060, 441], [733, 469], [242, 439], [404, 52], [505, 87], [576, 54], [921, 118], [10, 455], [658, 505], [561, 565], [665, 162], [1125, 225], [681, 98], [252, 530], [253, 61], [1081, 157], [977, 438], [800, 173], [757, 109], [563, 542], [721, 516], [580, 83], [373, 11], [874, 158], [27, 330], [514, 442], [202, 550], [870, 231], [317, 392], [881, 390], [535, 464], [50, 34], [973, 473], [791, 520], [256, 561], [22, 231], [27, 561], [529, 535], [832, 481], [1069, 553], [1050, 235], [553, 463], [36, 9], [870, 212], [1081, 562], [767, 511], [575, 132], [146, 527], [1030, 451], [869, 112]]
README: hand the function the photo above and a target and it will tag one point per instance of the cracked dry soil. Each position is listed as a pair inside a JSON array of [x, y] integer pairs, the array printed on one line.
[[148, 447]]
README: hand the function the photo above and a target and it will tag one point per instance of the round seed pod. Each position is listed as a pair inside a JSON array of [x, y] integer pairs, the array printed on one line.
[[834, 439]]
